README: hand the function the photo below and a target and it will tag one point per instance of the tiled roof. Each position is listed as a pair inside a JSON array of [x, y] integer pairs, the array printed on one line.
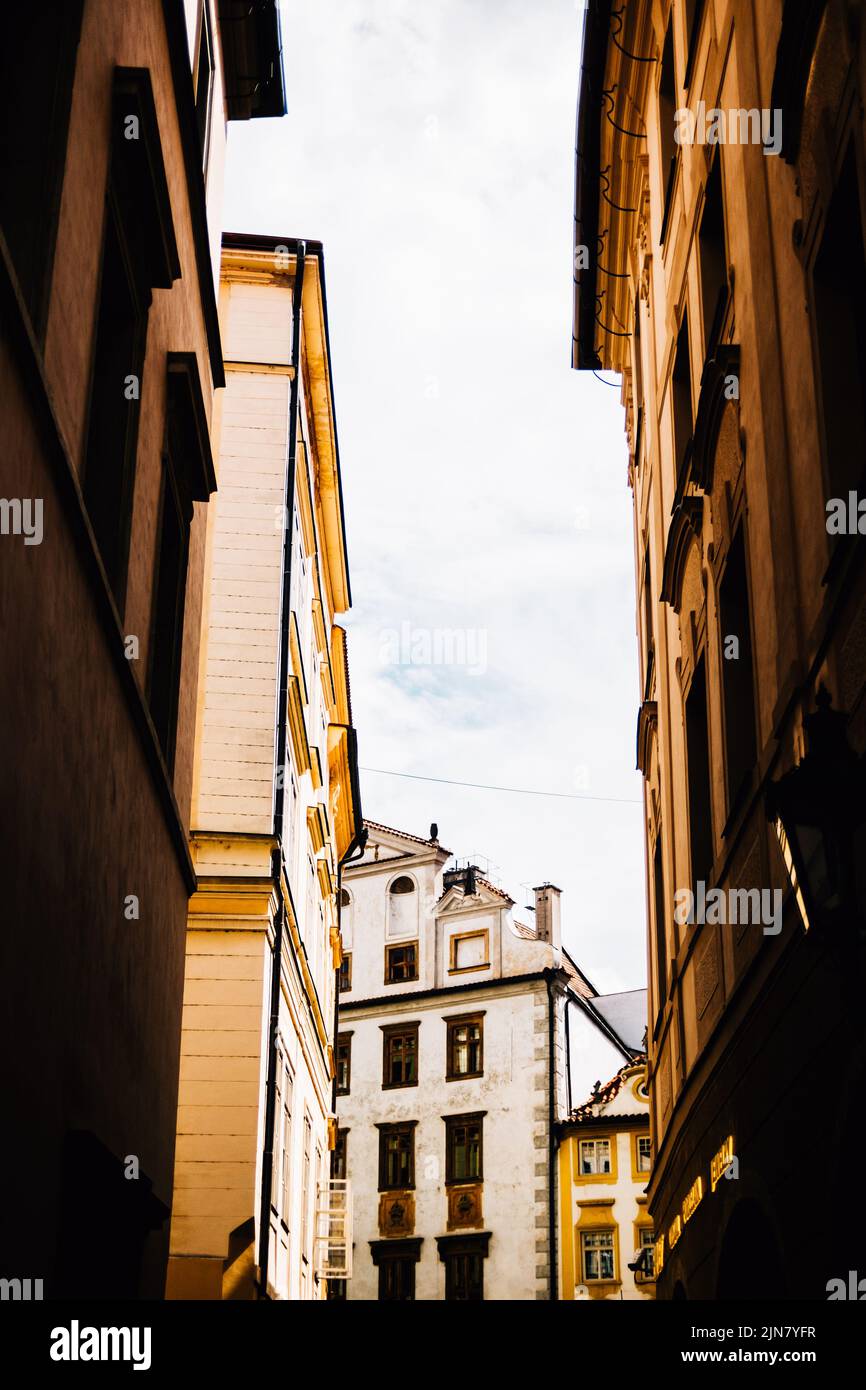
[[605, 1094], [576, 978], [528, 933], [404, 835]]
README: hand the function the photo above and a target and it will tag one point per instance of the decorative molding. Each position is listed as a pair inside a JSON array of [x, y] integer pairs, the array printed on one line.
[[684, 528], [647, 724]]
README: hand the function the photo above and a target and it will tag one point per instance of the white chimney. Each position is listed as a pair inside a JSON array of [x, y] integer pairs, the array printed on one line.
[[548, 914]]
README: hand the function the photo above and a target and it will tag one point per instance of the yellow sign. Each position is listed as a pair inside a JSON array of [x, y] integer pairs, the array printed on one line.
[[693, 1199], [659, 1255], [721, 1162], [675, 1230]]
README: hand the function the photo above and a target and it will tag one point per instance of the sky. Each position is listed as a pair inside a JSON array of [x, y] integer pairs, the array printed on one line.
[[430, 147]]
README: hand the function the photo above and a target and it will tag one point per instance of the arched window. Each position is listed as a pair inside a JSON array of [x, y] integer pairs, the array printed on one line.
[[402, 907], [346, 916]]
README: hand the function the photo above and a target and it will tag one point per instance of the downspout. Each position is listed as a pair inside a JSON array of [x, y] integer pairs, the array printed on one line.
[[354, 851], [280, 791], [551, 1166]]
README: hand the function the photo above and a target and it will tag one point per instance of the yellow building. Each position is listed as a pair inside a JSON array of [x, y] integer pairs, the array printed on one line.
[[606, 1235], [720, 269], [276, 806]]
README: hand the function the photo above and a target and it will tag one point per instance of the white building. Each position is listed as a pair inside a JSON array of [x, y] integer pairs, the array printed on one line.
[[451, 1073]]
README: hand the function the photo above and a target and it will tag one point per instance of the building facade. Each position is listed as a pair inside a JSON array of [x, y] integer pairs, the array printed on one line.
[[607, 1237], [114, 124], [276, 805], [720, 269], [452, 1070]]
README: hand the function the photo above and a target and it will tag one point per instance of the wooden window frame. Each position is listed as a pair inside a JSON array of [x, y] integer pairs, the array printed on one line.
[[457, 1247], [347, 962], [390, 1033], [638, 1173], [400, 946], [452, 1124], [452, 1023], [453, 967], [343, 1040], [387, 1131]]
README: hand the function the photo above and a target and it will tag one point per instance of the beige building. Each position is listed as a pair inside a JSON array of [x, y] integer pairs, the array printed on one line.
[[276, 805], [720, 269], [114, 119], [604, 1166]]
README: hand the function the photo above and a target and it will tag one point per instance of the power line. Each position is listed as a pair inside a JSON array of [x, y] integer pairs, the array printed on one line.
[[487, 787]]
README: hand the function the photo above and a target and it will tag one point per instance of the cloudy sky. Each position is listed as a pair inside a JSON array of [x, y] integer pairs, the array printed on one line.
[[430, 148]]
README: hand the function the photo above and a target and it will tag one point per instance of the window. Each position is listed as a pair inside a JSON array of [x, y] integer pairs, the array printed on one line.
[[465, 1047], [597, 1254], [340, 1159], [280, 1182], [464, 1278], [204, 81], [661, 925], [713, 258], [463, 1148], [839, 279], [698, 755], [397, 1278], [638, 382], [469, 951], [681, 397], [344, 981], [400, 1056], [306, 1195], [595, 1156], [346, 916], [646, 1245], [118, 360], [166, 642], [38, 49], [738, 679], [694, 14], [401, 963], [643, 1147], [649, 627], [402, 907], [139, 254], [667, 126], [396, 1156], [344, 1063]]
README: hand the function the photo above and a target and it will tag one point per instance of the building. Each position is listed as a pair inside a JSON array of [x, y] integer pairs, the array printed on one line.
[[452, 1069], [607, 1234], [114, 125], [276, 805], [720, 269]]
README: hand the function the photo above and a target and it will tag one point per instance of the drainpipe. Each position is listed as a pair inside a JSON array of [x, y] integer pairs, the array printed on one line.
[[280, 795], [551, 1168]]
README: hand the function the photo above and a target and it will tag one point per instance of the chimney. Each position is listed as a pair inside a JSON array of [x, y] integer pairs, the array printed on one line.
[[548, 910]]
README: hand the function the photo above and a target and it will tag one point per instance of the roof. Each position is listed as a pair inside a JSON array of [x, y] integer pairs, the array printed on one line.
[[576, 978], [626, 1014], [596, 29], [404, 835], [605, 1094]]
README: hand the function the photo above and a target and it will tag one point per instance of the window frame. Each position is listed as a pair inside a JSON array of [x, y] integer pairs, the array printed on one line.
[[596, 1139], [390, 948], [391, 1033], [453, 1124], [396, 1130], [454, 941], [452, 1023], [594, 1233], [343, 1040]]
